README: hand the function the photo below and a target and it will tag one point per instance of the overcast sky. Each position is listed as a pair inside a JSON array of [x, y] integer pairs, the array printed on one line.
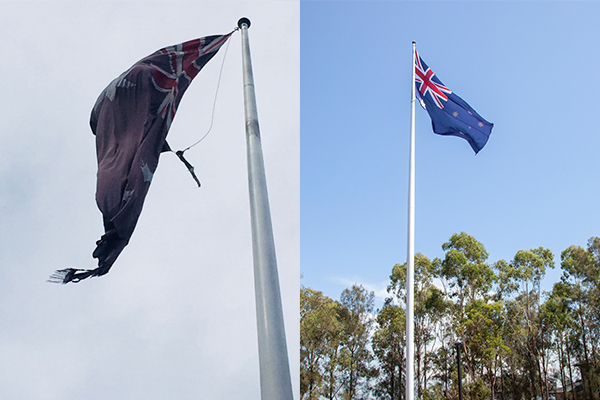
[[526, 66], [175, 317]]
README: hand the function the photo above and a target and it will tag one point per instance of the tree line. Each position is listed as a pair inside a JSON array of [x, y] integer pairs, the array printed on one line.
[[516, 341]]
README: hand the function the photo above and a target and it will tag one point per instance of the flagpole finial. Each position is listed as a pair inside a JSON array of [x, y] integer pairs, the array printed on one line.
[[244, 21]]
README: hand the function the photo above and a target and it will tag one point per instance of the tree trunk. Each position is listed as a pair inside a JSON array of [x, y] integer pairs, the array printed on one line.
[[501, 381], [570, 373]]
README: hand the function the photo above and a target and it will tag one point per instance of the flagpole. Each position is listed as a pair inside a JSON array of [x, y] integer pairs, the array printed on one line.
[[410, 267], [275, 380]]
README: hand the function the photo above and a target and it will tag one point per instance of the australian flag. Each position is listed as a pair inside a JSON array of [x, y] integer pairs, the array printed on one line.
[[131, 119], [450, 115]]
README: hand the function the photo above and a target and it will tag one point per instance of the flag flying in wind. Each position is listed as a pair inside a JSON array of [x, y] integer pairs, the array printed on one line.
[[450, 115], [131, 119]]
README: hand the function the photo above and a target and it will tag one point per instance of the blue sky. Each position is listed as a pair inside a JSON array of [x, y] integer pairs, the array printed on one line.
[[527, 67]]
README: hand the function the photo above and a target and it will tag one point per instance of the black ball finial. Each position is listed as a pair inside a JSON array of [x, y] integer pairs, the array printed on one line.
[[243, 21]]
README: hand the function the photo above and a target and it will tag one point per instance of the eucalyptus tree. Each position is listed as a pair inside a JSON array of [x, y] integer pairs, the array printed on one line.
[[558, 315], [389, 342], [465, 268], [534, 264], [429, 310], [469, 278], [484, 335], [356, 318], [319, 340], [443, 362], [519, 285], [581, 275]]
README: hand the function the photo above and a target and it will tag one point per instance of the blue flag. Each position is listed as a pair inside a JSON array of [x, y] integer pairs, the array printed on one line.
[[450, 115]]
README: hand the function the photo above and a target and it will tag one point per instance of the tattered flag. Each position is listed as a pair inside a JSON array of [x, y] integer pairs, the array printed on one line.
[[131, 119]]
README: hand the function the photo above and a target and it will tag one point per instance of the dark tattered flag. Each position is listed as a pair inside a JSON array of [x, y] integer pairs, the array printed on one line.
[[131, 119]]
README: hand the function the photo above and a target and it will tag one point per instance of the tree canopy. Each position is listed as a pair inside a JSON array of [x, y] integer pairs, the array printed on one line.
[[517, 341]]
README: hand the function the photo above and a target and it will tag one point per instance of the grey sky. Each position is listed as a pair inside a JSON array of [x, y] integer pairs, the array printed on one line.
[[175, 317]]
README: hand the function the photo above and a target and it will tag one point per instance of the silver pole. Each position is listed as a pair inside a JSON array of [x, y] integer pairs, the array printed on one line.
[[410, 262], [275, 380]]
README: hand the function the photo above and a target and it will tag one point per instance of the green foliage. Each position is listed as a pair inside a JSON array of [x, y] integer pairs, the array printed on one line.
[[477, 390], [388, 344], [355, 356], [465, 269], [517, 342], [319, 339]]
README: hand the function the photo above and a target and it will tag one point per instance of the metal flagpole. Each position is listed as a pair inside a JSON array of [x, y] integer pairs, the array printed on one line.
[[410, 262], [275, 380]]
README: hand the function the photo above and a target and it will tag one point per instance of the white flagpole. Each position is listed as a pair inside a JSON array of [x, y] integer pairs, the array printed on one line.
[[275, 380], [410, 267]]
